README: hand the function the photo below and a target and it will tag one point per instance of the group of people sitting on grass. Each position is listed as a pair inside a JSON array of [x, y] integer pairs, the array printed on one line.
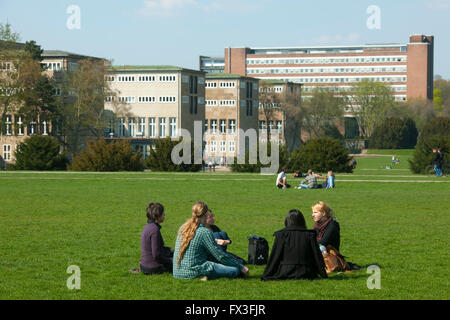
[[309, 181], [201, 247]]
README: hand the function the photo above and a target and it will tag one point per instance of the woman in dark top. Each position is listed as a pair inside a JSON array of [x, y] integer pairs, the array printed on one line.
[[295, 252], [155, 257], [327, 228]]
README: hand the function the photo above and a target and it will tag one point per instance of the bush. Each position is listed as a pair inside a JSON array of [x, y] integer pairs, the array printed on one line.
[[161, 158], [283, 160], [101, 155], [321, 155], [39, 153], [394, 133], [435, 134]]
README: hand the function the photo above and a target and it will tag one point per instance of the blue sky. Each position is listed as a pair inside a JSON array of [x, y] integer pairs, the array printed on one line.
[[176, 32]]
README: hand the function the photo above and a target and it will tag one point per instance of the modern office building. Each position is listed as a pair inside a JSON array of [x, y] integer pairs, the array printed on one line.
[[231, 103], [406, 67], [15, 131], [160, 101]]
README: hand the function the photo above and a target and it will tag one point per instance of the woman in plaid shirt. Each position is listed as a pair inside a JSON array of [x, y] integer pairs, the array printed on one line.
[[194, 243]]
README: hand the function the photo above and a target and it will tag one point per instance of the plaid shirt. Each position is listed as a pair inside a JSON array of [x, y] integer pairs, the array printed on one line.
[[194, 262], [311, 180]]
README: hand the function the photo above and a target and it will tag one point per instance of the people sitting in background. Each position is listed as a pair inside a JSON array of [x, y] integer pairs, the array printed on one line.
[[155, 257], [221, 238], [310, 182], [295, 252], [281, 182], [193, 246], [298, 174], [353, 163], [329, 182]]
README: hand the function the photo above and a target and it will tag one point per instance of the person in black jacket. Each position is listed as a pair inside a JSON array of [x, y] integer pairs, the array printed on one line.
[[327, 229], [295, 252]]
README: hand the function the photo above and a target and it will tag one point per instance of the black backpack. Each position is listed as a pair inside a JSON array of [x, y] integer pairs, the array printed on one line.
[[258, 250]]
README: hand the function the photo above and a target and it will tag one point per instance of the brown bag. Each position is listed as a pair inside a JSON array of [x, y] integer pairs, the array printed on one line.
[[334, 261]]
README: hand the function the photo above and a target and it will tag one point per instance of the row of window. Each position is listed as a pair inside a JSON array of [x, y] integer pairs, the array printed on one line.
[[139, 127], [214, 126], [346, 79], [145, 99], [21, 128], [279, 125], [397, 88], [369, 69], [54, 66], [327, 60], [211, 146]]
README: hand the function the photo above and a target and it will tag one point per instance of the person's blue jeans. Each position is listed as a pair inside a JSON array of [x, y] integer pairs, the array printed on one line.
[[304, 186], [222, 271], [438, 170]]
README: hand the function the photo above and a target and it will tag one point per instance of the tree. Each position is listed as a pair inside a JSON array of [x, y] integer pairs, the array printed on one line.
[[270, 100], [295, 113], [34, 51], [40, 153], [82, 108], [101, 156], [370, 102], [394, 133], [7, 34], [321, 155], [323, 109]]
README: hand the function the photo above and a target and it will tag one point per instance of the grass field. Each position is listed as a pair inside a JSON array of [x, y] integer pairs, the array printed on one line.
[[388, 217]]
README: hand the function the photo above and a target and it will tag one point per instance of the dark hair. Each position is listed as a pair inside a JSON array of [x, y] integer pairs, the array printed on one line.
[[294, 218], [154, 211]]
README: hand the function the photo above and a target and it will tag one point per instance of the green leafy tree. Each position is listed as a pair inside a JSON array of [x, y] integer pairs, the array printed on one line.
[[370, 103], [394, 133], [107, 156], [34, 50], [321, 155], [295, 114], [7, 34], [40, 153], [161, 158], [435, 134]]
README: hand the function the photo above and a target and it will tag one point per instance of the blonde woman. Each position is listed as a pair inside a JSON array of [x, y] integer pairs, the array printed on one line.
[[195, 243]]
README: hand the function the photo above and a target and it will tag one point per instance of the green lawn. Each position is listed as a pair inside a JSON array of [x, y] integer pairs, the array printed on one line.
[[49, 221]]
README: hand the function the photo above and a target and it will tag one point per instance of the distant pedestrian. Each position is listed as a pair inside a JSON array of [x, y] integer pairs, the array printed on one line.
[[393, 160], [437, 161]]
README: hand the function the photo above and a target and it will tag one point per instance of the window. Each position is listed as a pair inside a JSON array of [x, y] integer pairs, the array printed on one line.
[[231, 146], [222, 126], [122, 129], [126, 78], [232, 126], [213, 126], [20, 126], [211, 84], [146, 78], [228, 84], [8, 123], [146, 99], [213, 146], [141, 130], [151, 127], [271, 126], [167, 78], [131, 127], [127, 99], [279, 126], [262, 125], [167, 99], [162, 127], [173, 127], [32, 128], [223, 146], [7, 152]]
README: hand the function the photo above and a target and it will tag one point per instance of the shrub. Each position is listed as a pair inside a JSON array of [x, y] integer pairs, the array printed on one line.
[[161, 158], [39, 153], [321, 155], [394, 133], [101, 155], [435, 134], [283, 160]]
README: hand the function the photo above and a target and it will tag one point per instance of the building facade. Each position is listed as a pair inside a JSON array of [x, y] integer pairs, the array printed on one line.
[[160, 101], [55, 63], [231, 105], [407, 68]]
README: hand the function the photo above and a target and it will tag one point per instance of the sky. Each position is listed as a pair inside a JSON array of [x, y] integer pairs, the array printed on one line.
[[177, 32]]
